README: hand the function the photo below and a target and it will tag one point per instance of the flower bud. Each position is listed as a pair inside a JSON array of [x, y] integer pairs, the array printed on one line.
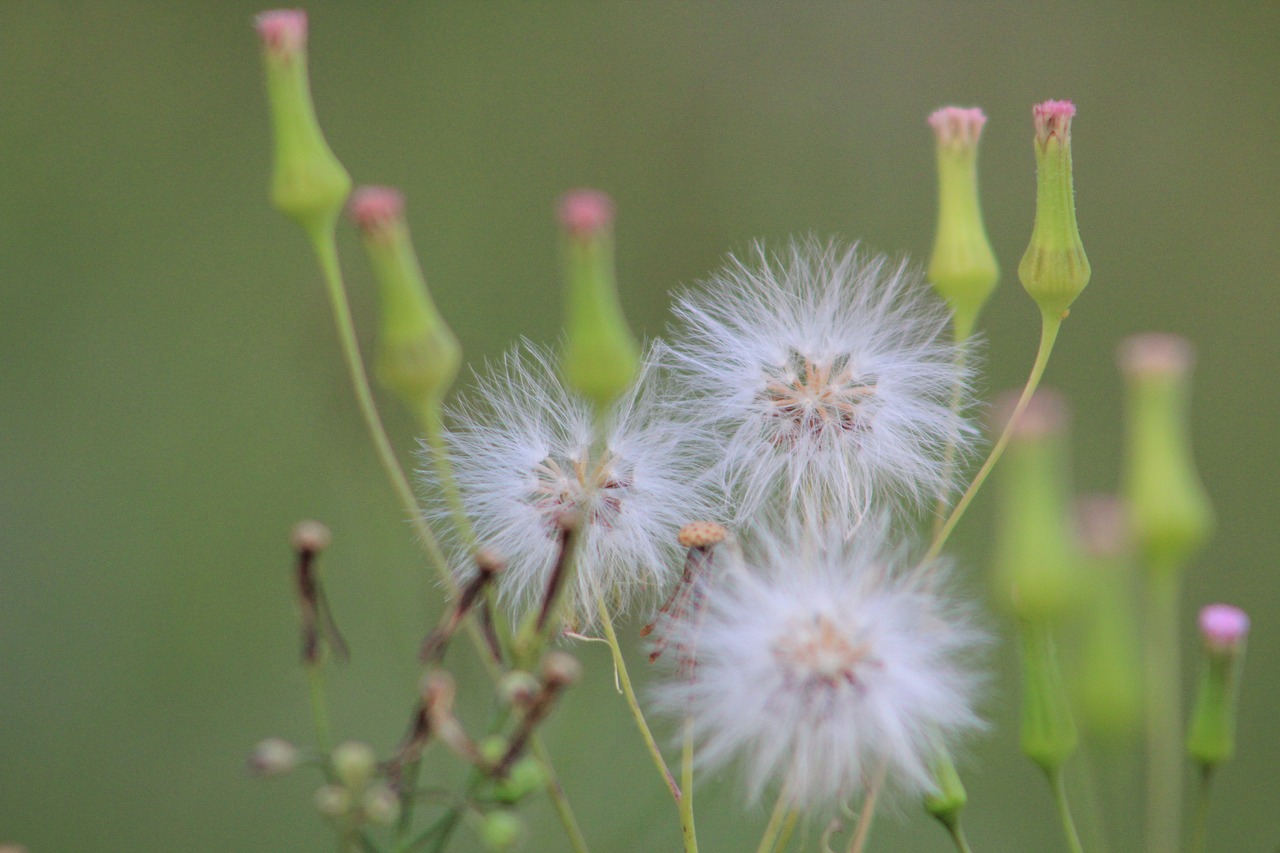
[[963, 267], [560, 669], [1168, 507], [525, 777], [948, 796], [308, 184], [354, 764], [1036, 568], [500, 831], [1211, 737], [418, 355], [492, 748], [273, 757], [380, 805], [1048, 730], [601, 357], [311, 537], [333, 801], [1054, 269], [518, 688]]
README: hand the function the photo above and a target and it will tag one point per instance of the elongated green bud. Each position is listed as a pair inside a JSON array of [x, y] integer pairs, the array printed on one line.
[[963, 267], [308, 184], [1036, 565], [1168, 507], [949, 796], [601, 357], [418, 355], [1054, 269], [1107, 678], [1048, 730], [1211, 739]]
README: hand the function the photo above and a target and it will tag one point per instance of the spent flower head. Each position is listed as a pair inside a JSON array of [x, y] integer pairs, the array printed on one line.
[[828, 377], [527, 451], [825, 659]]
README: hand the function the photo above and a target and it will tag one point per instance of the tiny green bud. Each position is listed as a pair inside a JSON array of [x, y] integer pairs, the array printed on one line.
[[948, 797], [273, 757], [1036, 570], [1168, 507], [500, 831], [418, 355], [525, 777], [1048, 730], [963, 267], [601, 357], [1054, 269], [492, 749], [1211, 737], [380, 805], [333, 801], [354, 763], [308, 185]]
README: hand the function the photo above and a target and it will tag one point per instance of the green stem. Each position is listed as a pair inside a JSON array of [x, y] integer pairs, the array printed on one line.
[[686, 790], [1049, 327], [949, 454], [1200, 823], [1164, 698], [788, 828], [558, 799], [629, 692], [774, 827], [1064, 812], [433, 427], [408, 799], [319, 711], [957, 835]]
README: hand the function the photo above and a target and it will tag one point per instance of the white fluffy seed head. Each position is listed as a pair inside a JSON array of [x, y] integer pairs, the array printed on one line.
[[830, 376], [824, 661], [524, 452]]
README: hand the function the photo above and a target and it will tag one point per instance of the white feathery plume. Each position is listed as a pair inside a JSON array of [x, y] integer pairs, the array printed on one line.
[[525, 449], [825, 662], [830, 377]]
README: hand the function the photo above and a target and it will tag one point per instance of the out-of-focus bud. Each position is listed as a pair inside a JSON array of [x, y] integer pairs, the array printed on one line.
[[311, 537], [380, 805], [500, 831], [963, 267], [601, 356], [525, 777], [1054, 269], [1168, 507], [949, 796], [418, 355], [273, 757], [560, 669], [1211, 737], [492, 748], [308, 184], [1049, 734], [518, 688], [1107, 678], [354, 763], [1036, 566], [333, 801]]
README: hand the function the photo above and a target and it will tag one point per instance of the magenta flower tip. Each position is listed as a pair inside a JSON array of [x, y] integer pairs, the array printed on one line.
[[957, 125], [585, 212], [1223, 626], [1155, 353], [375, 208], [283, 30], [1053, 118]]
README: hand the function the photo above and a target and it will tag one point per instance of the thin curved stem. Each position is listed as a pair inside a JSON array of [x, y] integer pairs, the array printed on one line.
[[868, 813], [620, 666], [687, 828], [1164, 697], [1064, 812], [774, 827], [1048, 334]]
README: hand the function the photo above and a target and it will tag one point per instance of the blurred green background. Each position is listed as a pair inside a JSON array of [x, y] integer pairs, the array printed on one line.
[[173, 397]]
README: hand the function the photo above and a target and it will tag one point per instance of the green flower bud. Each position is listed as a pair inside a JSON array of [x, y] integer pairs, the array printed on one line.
[[1036, 566], [1211, 737], [354, 763], [308, 184], [1048, 729], [525, 777], [500, 831], [949, 796], [492, 749], [1054, 269], [963, 267], [1168, 507], [601, 357], [418, 355]]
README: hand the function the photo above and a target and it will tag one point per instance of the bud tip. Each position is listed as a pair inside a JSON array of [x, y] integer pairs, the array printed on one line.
[[374, 209], [1155, 354], [1053, 118], [310, 536], [1223, 626], [282, 30], [957, 125], [585, 212]]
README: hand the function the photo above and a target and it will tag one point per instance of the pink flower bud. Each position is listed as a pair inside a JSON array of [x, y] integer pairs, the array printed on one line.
[[584, 213], [376, 209], [957, 126], [1156, 354], [1053, 119], [1223, 627], [282, 30]]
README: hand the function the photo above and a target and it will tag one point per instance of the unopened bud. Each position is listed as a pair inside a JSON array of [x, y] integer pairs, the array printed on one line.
[[1054, 270], [1211, 737], [308, 184], [1168, 508], [311, 537], [601, 357], [273, 757], [380, 805], [492, 749], [560, 669], [963, 266], [518, 688], [500, 831], [1049, 734], [418, 355], [948, 797], [354, 763], [333, 801], [701, 534]]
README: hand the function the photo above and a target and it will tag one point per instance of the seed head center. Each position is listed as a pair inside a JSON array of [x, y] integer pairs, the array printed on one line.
[[817, 653], [811, 396], [595, 489]]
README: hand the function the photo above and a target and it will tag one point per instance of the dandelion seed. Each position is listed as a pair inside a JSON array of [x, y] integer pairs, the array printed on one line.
[[525, 451], [825, 661], [830, 378]]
